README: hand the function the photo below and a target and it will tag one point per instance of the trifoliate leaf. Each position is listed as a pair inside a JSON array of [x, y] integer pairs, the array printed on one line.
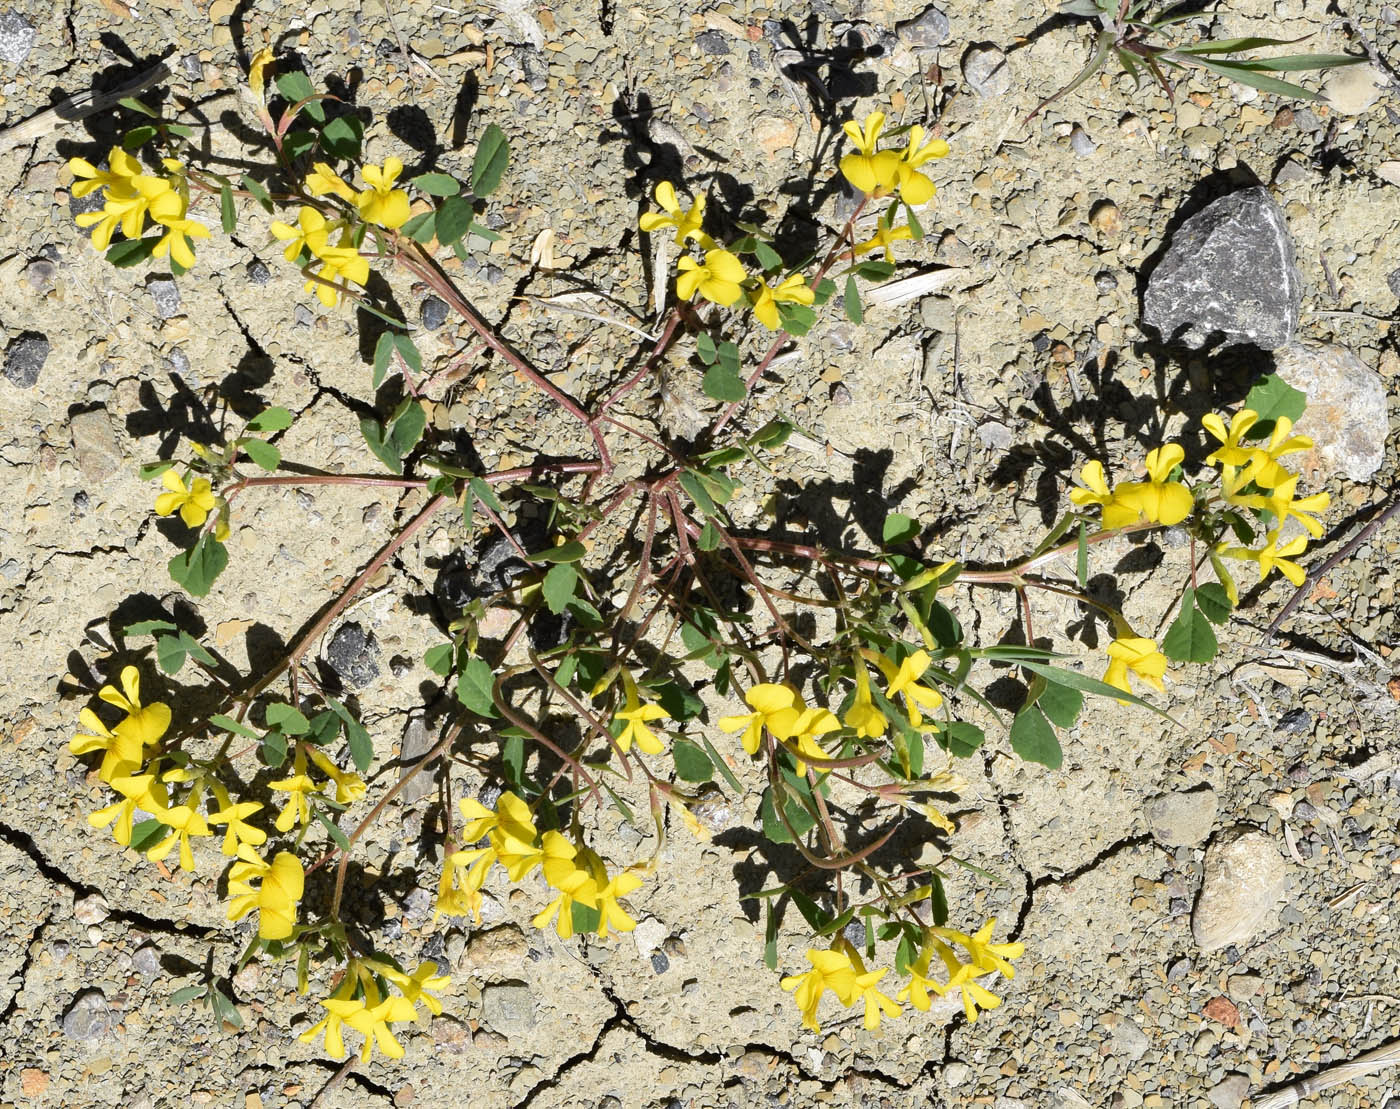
[[1190, 638], [723, 383], [197, 568], [1273, 397]]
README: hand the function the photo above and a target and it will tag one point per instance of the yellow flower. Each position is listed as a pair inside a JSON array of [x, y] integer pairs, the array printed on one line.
[[122, 750], [336, 262], [611, 914], [573, 881], [311, 233], [281, 885], [1273, 557], [515, 840], [765, 300], [1231, 451], [456, 897], [146, 722], [194, 501], [914, 187], [168, 210], [1131, 652], [415, 986], [687, 223], [870, 171], [717, 279], [903, 679], [322, 180], [984, 954], [256, 77], [183, 821], [868, 721], [973, 996], [1265, 469], [831, 970], [1117, 512], [121, 168], [921, 982], [635, 717], [239, 830], [381, 203], [776, 707], [331, 1024], [297, 788], [140, 791], [802, 741], [863, 988], [372, 1021], [126, 207], [1163, 501], [883, 238], [349, 786]]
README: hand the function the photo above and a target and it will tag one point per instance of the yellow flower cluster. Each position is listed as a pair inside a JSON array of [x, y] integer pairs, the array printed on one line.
[[379, 203], [131, 196], [878, 172], [841, 971], [577, 873], [311, 236], [1252, 477], [718, 275], [1133, 653], [1158, 500], [362, 1003], [300, 787]]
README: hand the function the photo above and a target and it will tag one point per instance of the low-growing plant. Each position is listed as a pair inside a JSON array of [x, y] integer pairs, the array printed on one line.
[[1131, 33], [585, 701]]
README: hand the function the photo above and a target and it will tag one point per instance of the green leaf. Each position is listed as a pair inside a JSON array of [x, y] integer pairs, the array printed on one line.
[[453, 218], [692, 764], [147, 627], [723, 383], [229, 724], [770, 937], [287, 719], [185, 994], [1229, 46], [1034, 740], [796, 319], [571, 551], [679, 700], [421, 228], [274, 749], [439, 659], [357, 739], [228, 216], [197, 568], [559, 585], [258, 192], [513, 761], [718, 760], [492, 156], [697, 492], [1190, 638], [149, 470], [898, 529], [823, 291], [773, 827], [1086, 684], [817, 919], [475, 686], [1273, 397], [1264, 83], [179, 129], [147, 834], [1214, 602], [585, 920], [874, 271], [138, 106], [262, 453], [408, 427], [138, 137], [486, 495], [855, 312], [295, 87], [271, 419], [409, 353], [771, 435], [705, 348], [1060, 703], [938, 900], [709, 537], [224, 1009], [342, 136], [131, 252], [436, 184], [1081, 556], [767, 257], [170, 653], [341, 839], [296, 143], [374, 439]]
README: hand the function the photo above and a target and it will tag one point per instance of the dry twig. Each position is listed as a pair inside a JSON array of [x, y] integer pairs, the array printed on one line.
[[1384, 1056]]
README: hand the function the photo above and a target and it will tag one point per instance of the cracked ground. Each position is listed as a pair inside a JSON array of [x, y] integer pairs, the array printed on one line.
[[960, 408]]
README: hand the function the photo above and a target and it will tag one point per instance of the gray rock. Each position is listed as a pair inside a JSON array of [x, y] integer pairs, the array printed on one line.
[[1353, 89], [353, 654], [166, 294], [40, 274], [16, 37], [1346, 414], [416, 743], [508, 1007], [986, 70], [25, 357], [1081, 143], [1129, 1040], [433, 313], [95, 445], [146, 960], [92, 909], [1392, 280], [258, 273], [956, 1074], [89, 1018], [1228, 275], [1229, 1093], [926, 31], [1244, 880], [712, 42], [1183, 818]]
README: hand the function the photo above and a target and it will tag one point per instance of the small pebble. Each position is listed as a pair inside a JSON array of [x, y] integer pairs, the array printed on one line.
[[660, 963], [433, 313], [166, 294], [258, 273], [16, 37], [25, 357], [89, 1017], [353, 654], [1081, 143]]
